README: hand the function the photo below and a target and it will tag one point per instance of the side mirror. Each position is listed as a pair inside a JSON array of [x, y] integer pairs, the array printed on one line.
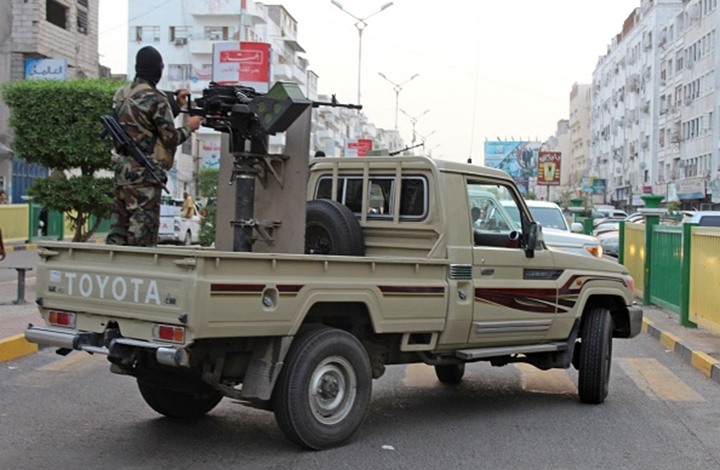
[[576, 227], [534, 239]]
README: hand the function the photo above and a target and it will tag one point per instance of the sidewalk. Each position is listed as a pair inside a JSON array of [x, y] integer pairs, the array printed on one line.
[[697, 347]]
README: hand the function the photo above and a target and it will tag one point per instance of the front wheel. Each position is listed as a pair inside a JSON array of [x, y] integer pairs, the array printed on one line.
[[324, 388], [176, 404], [595, 356]]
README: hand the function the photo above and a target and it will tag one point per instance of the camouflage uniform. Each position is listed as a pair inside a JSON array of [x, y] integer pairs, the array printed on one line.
[[145, 114]]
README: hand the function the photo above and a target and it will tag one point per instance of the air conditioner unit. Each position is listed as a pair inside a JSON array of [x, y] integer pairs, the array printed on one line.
[[181, 41]]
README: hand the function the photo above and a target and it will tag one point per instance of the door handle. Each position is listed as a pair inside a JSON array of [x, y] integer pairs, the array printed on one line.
[[487, 271]]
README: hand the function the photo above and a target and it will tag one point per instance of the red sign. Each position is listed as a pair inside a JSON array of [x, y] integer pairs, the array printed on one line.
[[358, 148], [246, 62], [549, 168]]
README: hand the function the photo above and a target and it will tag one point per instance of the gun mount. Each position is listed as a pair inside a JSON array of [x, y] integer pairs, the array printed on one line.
[[249, 118]]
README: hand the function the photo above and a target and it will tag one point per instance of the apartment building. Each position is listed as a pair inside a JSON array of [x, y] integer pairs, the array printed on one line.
[[37, 37], [575, 163], [654, 106]]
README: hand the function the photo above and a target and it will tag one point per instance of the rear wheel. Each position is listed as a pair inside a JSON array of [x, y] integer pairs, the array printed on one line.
[[176, 404], [595, 356], [450, 374], [324, 388]]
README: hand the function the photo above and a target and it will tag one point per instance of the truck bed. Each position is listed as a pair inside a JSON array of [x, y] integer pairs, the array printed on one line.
[[228, 294]]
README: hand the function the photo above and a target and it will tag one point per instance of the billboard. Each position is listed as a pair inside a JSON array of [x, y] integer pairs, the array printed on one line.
[[242, 63], [548, 169], [358, 147], [516, 158]]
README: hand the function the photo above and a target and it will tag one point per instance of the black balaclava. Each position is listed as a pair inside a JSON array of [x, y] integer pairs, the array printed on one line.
[[149, 64]]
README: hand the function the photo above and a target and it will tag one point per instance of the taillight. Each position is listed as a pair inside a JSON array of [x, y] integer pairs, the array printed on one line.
[[60, 318], [172, 334]]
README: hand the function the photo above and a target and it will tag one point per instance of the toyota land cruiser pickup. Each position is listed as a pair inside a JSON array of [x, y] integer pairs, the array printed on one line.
[[397, 270]]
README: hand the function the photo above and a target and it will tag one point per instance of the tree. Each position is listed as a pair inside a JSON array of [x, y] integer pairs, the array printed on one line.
[[208, 185], [57, 124]]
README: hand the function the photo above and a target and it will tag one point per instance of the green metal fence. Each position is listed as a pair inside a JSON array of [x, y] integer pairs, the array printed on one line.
[[666, 267]]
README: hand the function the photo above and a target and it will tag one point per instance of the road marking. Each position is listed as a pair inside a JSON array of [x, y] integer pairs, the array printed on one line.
[[69, 362], [420, 375], [554, 381], [657, 381]]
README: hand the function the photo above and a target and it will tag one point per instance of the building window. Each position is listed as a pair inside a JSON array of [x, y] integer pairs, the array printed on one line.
[[147, 33], [83, 3], [56, 13], [217, 33], [179, 72], [180, 33], [82, 21]]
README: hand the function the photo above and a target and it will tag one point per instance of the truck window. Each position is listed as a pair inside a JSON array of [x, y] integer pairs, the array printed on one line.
[[490, 207], [381, 191]]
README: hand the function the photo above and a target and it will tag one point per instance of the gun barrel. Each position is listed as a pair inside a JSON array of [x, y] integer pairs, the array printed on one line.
[[123, 141], [317, 104]]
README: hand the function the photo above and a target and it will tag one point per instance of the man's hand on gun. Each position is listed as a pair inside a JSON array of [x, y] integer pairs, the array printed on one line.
[[181, 96]]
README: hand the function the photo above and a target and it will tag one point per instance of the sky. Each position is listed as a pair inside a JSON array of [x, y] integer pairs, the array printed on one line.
[[486, 69]]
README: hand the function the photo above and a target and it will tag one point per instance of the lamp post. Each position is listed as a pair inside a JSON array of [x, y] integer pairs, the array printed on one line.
[[397, 87], [414, 120], [360, 25]]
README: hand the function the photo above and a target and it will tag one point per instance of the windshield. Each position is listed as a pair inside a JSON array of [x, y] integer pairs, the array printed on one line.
[[549, 217]]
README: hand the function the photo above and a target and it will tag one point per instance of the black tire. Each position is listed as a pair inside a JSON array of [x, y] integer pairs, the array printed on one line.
[[450, 374], [595, 356], [332, 229], [324, 388], [179, 405]]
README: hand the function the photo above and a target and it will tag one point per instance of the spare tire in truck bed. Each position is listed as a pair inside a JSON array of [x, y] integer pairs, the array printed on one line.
[[332, 229]]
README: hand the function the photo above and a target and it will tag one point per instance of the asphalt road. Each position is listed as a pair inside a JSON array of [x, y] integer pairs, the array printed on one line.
[[69, 413]]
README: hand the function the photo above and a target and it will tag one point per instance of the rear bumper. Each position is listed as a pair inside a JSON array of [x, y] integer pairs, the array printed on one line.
[[173, 356]]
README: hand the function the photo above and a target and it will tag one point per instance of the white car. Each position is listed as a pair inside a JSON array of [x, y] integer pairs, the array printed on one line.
[[556, 231], [174, 228]]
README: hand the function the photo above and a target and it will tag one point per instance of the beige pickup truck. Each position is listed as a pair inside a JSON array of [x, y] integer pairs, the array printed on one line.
[[400, 268]]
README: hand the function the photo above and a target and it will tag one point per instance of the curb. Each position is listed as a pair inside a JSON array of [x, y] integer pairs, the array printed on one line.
[[24, 247], [16, 347], [701, 361]]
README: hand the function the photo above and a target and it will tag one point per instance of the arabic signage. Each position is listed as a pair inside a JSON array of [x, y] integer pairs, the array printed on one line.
[[691, 188], [548, 169], [245, 63], [358, 147], [45, 69]]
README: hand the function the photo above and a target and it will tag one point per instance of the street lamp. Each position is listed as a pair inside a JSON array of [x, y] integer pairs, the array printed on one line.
[[398, 88], [414, 120], [360, 24]]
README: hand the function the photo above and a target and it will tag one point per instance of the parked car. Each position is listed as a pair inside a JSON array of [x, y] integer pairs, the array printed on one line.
[[610, 242], [557, 233], [174, 228], [703, 218]]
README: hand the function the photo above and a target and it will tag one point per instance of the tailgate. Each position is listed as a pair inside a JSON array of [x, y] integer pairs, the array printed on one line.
[[131, 286]]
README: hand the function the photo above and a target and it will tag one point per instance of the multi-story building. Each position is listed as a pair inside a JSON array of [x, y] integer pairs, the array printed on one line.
[[63, 31], [688, 162], [185, 33], [654, 96], [575, 163]]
